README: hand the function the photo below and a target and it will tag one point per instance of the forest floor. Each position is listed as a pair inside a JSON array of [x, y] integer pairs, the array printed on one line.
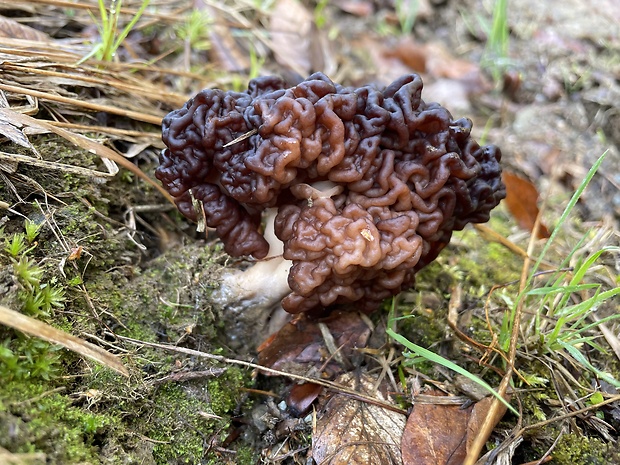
[[92, 247]]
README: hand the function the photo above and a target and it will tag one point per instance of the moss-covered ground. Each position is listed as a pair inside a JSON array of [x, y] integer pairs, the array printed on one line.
[[75, 411]]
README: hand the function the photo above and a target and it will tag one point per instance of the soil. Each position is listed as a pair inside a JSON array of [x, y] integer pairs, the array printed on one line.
[[114, 264]]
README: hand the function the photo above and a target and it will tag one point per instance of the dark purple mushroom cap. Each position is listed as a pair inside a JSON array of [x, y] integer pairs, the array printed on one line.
[[406, 176]]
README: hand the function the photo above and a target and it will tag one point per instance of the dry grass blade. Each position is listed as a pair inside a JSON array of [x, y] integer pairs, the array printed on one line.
[[70, 54], [31, 48], [94, 9], [487, 426], [138, 116], [327, 384], [126, 134], [51, 165], [81, 141], [98, 77], [50, 334], [32, 458]]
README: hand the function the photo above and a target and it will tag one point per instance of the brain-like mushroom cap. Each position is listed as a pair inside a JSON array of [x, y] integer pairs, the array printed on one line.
[[369, 184]]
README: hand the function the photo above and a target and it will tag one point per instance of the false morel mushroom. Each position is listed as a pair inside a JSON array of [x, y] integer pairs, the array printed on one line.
[[341, 194]]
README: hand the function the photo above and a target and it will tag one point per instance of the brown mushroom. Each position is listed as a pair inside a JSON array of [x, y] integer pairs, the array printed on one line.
[[363, 187]]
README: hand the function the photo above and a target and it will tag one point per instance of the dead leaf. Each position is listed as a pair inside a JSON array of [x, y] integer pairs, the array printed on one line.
[[76, 253], [452, 80], [14, 30], [441, 433], [351, 432], [294, 36], [226, 51], [300, 344], [301, 397], [356, 7], [11, 130], [386, 68], [478, 415], [522, 202], [435, 433], [434, 59]]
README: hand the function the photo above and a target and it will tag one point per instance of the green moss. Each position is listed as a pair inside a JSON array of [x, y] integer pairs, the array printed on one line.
[[481, 263], [186, 423], [577, 449], [46, 421], [246, 456], [224, 394], [100, 417], [36, 295], [181, 424]]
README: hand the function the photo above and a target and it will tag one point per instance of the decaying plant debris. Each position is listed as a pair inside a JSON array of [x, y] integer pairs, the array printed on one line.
[[92, 246]]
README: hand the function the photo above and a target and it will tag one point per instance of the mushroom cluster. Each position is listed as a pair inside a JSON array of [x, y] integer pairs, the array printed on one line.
[[359, 187]]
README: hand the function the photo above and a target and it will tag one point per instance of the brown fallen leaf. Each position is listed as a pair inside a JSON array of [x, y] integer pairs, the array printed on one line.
[[294, 37], [441, 433], [434, 59], [300, 344], [478, 415], [11, 129], [352, 432], [356, 7], [449, 80], [301, 397], [522, 203], [14, 30]]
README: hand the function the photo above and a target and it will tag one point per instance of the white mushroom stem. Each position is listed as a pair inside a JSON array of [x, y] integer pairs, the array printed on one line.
[[263, 283], [249, 299], [266, 281]]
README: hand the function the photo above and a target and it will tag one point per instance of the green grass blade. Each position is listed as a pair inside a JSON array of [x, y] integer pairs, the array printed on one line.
[[552, 290], [594, 324], [579, 357], [584, 267], [567, 211], [123, 35], [433, 357]]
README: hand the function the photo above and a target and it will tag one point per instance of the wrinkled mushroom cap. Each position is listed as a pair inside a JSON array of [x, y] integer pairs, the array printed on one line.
[[369, 184]]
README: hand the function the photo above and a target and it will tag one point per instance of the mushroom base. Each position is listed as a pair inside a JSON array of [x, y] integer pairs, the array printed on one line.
[[251, 301]]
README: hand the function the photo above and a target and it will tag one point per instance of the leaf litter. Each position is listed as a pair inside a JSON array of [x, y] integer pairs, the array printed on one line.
[[350, 431]]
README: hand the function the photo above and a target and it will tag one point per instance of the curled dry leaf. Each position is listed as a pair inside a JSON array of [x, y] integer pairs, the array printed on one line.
[[12, 130], [352, 432], [301, 397], [300, 344], [522, 202], [440, 433], [14, 30]]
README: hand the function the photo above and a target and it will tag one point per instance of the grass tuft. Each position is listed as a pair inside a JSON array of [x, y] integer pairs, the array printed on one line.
[[110, 38]]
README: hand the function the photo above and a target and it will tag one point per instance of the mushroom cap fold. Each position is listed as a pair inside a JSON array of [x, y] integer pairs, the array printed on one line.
[[369, 183]]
